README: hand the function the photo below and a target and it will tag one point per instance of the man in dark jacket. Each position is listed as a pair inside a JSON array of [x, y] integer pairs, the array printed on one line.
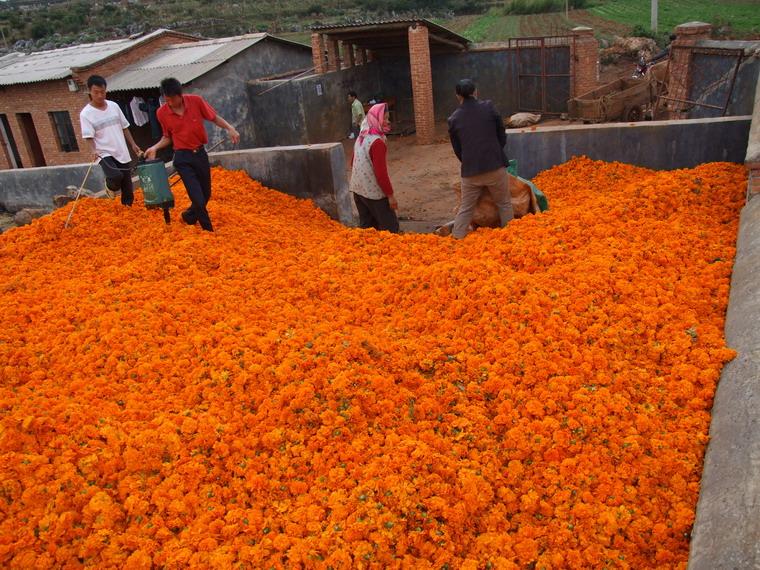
[[477, 135]]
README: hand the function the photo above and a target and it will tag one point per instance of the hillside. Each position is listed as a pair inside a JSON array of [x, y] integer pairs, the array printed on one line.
[[27, 25]]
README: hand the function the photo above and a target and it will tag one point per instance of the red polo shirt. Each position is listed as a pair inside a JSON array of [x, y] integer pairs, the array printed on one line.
[[187, 130]]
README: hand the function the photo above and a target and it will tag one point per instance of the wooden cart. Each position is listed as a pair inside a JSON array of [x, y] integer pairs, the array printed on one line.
[[625, 99]]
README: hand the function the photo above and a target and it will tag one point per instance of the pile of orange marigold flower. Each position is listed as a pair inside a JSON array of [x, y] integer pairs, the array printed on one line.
[[290, 393]]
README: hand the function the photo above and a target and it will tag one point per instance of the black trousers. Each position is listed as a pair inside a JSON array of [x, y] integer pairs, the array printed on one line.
[[376, 214], [118, 178], [195, 171]]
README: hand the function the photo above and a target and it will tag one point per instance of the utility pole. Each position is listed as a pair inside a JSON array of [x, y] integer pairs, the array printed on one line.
[[567, 9], [654, 17]]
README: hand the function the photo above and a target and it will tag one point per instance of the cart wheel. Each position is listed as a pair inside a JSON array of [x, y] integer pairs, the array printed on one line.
[[634, 114]]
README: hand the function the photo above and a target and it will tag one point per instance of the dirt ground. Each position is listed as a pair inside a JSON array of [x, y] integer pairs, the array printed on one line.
[[423, 178]]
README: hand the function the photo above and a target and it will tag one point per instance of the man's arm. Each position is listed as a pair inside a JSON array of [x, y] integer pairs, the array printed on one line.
[[231, 131], [93, 149], [132, 144], [455, 142], [165, 141], [501, 133]]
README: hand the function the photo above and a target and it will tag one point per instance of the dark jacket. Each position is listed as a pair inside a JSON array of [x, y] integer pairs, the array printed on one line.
[[477, 135]]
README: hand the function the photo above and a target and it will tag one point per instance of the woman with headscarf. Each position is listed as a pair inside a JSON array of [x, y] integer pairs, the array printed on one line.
[[370, 183]]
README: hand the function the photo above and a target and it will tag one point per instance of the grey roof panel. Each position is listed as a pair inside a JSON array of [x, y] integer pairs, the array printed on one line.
[[186, 62], [20, 68], [134, 79]]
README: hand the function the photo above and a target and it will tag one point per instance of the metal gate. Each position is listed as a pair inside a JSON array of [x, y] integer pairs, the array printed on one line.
[[699, 82], [544, 73]]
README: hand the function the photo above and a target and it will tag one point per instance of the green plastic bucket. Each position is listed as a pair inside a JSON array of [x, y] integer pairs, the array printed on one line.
[[155, 184]]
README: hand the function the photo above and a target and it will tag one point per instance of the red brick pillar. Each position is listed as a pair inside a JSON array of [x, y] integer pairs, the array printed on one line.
[[585, 61], [361, 56], [422, 83], [679, 80], [333, 56], [347, 49], [318, 53]]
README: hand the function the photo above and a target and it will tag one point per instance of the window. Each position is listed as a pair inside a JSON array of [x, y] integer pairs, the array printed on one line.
[[67, 140]]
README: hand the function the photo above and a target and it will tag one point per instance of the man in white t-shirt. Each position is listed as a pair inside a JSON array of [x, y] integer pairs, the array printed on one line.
[[106, 129]]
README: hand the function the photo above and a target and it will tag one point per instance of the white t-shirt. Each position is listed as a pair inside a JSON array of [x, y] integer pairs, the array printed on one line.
[[106, 127]]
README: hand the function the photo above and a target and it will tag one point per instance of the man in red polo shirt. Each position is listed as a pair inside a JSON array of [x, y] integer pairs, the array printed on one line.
[[181, 119]]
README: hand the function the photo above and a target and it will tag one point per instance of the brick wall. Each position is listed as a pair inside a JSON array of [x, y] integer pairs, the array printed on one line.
[[318, 53], [585, 61], [679, 81], [422, 83], [40, 98]]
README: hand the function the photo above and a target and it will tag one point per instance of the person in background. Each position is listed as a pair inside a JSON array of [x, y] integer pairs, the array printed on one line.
[[106, 129], [370, 183], [181, 119], [357, 114], [478, 138]]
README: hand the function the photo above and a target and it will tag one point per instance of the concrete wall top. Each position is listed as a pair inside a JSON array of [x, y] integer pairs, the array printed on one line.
[[753, 145], [316, 172], [727, 524], [660, 145], [639, 125]]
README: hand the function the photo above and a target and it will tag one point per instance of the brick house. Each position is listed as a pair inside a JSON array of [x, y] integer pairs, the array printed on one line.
[[42, 93], [218, 69]]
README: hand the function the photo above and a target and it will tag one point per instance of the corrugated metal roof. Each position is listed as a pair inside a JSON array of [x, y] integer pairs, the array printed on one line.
[[379, 24], [183, 61], [57, 63]]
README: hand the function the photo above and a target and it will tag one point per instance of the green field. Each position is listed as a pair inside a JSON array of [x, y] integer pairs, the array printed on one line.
[[737, 18], [743, 16]]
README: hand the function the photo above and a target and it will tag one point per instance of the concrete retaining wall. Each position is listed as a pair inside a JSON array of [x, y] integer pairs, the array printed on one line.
[[727, 528], [316, 172], [661, 145], [35, 187], [726, 531]]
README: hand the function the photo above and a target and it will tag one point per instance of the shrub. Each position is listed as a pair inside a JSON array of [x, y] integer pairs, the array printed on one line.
[[520, 7]]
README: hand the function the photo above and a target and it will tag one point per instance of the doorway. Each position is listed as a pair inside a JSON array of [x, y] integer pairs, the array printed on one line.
[[9, 143], [32, 141]]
